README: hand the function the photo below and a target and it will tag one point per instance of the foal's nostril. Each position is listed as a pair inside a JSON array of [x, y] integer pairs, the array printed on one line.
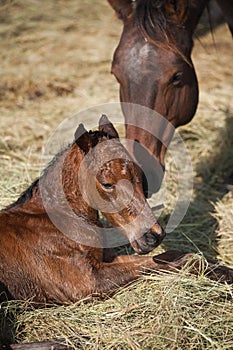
[[151, 239]]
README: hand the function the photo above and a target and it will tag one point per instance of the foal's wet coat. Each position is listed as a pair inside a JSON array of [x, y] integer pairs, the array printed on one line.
[[44, 253]]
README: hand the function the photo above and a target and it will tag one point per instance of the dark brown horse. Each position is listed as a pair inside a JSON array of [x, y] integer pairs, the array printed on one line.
[[153, 66], [51, 254]]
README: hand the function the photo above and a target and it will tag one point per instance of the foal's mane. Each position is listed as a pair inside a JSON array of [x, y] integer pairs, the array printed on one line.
[[26, 195], [97, 135]]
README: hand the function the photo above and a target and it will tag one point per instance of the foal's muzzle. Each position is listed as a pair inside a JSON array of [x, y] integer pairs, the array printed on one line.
[[149, 240]]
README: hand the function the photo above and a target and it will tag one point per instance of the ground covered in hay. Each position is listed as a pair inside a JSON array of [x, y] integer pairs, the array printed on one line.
[[55, 61]]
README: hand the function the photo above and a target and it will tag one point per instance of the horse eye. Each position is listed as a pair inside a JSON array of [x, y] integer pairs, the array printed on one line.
[[107, 186], [176, 79]]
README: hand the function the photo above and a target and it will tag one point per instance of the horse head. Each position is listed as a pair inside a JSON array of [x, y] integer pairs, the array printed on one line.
[[111, 182], [153, 66]]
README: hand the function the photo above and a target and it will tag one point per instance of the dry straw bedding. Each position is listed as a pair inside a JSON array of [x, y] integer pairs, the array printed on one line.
[[55, 61]]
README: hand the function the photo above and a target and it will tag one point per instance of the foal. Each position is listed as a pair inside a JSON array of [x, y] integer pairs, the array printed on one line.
[[50, 238]]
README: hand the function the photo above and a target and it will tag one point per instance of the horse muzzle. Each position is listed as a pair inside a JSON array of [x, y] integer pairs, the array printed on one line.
[[152, 169]]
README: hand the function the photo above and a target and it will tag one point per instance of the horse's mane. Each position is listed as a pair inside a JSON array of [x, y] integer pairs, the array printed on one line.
[[26, 195], [97, 135]]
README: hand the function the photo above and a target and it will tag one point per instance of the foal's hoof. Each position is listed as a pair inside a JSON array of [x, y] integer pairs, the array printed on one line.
[[220, 273], [169, 256]]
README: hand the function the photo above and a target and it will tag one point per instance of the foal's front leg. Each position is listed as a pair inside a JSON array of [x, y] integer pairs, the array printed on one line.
[[124, 269], [109, 276], [176, 260], [127, 268]]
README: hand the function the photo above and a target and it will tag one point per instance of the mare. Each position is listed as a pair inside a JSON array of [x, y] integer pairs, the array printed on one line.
[[153, 66], [52, 255]]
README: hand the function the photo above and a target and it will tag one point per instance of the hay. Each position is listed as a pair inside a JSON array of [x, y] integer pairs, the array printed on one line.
[[224, 215], [157, 312], [56, 61]]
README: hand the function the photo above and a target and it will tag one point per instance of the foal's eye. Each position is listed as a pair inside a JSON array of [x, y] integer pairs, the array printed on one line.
[[107, 186], [176, 79]]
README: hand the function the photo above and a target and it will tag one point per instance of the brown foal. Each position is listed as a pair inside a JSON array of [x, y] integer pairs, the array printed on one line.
[[51, 254]]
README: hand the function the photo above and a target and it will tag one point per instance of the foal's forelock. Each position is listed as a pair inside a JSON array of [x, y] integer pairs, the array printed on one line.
[[105, 151], [98, 136]]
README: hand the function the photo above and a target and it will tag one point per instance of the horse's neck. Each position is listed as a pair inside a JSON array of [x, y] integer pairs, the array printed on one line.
[[32, 205], [227, 9], [196, 9], [57, 190], [70, 181]]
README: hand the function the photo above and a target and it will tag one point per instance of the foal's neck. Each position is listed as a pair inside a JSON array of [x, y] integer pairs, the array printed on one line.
[[70, 181], [57, 188]]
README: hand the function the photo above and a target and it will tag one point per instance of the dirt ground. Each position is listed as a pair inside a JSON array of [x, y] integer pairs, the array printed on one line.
[[55, 61]]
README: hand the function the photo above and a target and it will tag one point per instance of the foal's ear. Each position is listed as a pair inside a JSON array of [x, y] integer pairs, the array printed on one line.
[[177, 10], [106, 126], [123, 8], [83, 138]]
